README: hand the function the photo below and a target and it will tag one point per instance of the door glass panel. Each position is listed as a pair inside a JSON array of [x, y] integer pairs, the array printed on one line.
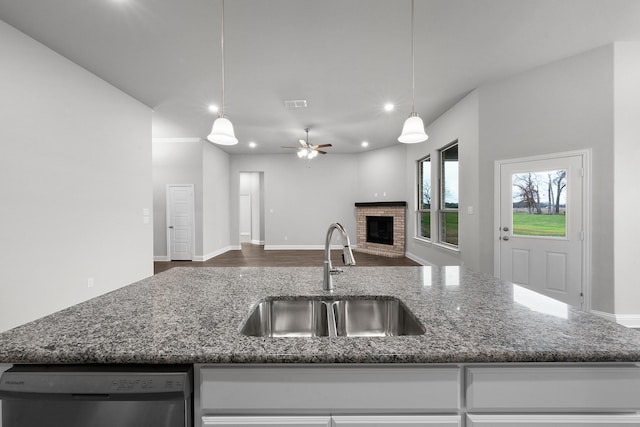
[[540, 203]]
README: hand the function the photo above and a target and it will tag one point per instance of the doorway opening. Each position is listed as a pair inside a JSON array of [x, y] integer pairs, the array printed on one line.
[[251, 208]]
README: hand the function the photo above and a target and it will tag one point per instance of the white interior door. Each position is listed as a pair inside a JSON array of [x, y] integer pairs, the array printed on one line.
[[540, 230], [180, 222]]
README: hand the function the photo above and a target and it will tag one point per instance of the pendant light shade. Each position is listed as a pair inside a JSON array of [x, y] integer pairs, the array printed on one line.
[[413, 129], [222, 131]]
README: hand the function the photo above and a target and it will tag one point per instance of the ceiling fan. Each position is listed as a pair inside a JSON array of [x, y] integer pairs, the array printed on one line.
[[308, 151]]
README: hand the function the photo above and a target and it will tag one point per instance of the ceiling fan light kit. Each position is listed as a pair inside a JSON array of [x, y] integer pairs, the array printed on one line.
[[413, 129], [222, 131], [308, 151]]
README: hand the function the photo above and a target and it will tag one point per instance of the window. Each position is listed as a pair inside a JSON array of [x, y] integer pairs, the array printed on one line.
[[424, 197], [448, 195]]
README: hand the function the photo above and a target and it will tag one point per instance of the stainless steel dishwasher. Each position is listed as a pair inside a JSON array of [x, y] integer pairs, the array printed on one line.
[[97, 396]]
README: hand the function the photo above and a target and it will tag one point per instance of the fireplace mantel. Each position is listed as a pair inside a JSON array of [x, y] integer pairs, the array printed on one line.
[[379, 204]]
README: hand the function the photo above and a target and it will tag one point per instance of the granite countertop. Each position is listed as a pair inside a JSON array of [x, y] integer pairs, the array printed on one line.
[[194, 315]]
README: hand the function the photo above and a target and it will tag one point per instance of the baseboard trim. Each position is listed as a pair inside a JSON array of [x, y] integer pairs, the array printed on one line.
[[628, 320], [216, 253], [257, 242], [417, 259], [161, 258]]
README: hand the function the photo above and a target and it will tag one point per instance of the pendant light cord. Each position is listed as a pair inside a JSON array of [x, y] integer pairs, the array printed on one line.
[[413, 62], [222, 46]]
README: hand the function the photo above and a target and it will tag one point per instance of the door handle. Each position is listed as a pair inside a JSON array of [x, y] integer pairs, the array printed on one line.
[[505, 228], [505, 238], [171, 226]]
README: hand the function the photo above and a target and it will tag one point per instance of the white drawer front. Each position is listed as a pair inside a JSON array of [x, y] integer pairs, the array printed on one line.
[[253, 390], [553, 389], [266, 421], [398, 420], [552, 420]]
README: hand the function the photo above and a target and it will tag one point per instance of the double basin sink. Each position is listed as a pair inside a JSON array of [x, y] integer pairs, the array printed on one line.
[[342, 317]]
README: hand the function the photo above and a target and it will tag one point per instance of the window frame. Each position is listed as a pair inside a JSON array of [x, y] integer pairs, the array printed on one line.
[[442, 208], [420, 210]]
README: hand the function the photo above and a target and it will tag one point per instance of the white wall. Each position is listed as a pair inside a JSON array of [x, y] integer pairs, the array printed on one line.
[[382, 175], [302, 198], [75, 162], [216, 199], [625, 179], [175, 161], [192, 161], [563, 106], [460, 124]]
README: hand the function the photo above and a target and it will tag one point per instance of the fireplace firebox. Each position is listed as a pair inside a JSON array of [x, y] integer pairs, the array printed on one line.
[[380, 229]]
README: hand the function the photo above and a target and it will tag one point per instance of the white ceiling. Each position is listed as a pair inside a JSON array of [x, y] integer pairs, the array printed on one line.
[[345, 57]]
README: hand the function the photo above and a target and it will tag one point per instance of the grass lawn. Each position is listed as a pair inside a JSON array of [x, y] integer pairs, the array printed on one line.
[[525, 224], [451, 227]]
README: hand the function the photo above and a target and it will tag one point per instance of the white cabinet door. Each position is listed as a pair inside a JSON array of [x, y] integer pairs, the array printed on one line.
[[553, 420], [553, 389], [326, 390], [397, 420], [267, 421]]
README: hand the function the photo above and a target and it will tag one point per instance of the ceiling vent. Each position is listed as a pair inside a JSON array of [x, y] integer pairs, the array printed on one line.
[[295, 103]]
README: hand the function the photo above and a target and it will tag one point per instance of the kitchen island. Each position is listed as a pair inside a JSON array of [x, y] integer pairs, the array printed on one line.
[[477, 328]]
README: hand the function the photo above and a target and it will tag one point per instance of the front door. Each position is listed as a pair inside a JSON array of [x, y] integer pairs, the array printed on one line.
[[180, 222], [540, 225]]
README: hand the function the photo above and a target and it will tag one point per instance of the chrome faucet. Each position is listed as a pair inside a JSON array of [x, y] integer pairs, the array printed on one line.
[[347, 255]]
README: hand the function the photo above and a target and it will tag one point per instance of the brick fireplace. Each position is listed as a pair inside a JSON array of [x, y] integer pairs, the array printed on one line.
[[381, 228]]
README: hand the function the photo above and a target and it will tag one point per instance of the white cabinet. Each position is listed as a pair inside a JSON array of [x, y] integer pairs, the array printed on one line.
[[553, 388], [335, 421], [555, 420], [329, 389], [553, 395], [236, 421], [473, 395], [397, 421]]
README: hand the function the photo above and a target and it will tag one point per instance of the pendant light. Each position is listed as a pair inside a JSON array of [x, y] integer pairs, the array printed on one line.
[[413, 129], [222, 130]]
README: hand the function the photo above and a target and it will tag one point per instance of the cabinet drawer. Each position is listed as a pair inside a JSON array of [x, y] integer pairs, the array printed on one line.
[[253, 390], [398, 420], [266, 421], [553, 389], [552, 420]]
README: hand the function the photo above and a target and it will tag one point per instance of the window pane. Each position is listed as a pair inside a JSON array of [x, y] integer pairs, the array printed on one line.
[[449, 227], [540, 203], [449, 158], [425, 184], [425, 224]]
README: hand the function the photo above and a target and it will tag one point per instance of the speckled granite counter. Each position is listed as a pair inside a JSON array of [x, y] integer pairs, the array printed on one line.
[[194, 315]]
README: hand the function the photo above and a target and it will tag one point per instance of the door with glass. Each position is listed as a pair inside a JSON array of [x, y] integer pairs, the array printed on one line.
[[541, 231]]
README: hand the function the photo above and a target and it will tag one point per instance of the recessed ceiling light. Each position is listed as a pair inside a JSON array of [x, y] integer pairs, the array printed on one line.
[[214, 108], [389, 107], [252, 144], [365, 144]]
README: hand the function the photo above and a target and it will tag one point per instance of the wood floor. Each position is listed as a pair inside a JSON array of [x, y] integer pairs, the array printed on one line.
[[256, 256]]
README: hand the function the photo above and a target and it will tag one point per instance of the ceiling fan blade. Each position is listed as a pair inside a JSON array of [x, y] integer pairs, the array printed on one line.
[[322, 146], [321, 152], [295, 148]]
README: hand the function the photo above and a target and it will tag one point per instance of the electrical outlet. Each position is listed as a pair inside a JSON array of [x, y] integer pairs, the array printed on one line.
[[90, 282]]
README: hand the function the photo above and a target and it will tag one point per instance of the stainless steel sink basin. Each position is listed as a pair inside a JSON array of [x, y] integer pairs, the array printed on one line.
[[374, 318], [288, 318], [348, 317]]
